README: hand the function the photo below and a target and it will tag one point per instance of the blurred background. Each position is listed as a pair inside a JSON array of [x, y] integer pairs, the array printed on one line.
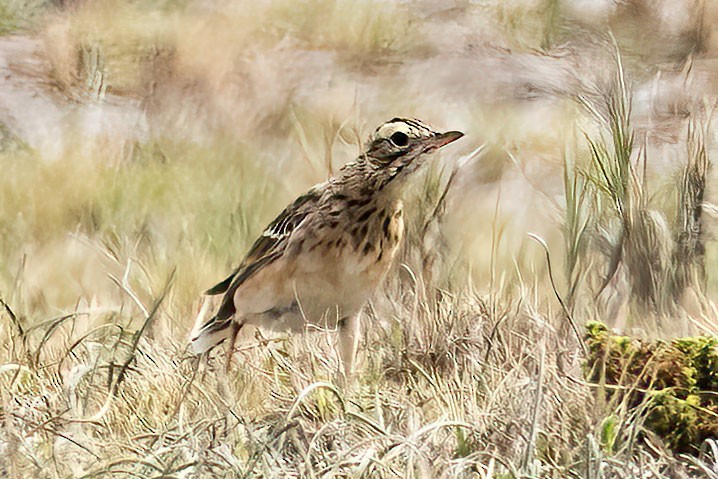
[[145, 143], [143, 136]]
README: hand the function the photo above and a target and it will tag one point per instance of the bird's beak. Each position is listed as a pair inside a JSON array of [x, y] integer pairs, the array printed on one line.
[[443, 139]]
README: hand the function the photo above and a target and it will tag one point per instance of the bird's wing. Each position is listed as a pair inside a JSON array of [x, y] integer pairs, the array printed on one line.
[[266, 248]]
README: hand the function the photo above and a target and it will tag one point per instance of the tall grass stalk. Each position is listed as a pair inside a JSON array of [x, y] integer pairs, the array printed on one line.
[[689, 253], [576, 221], [637, 236]]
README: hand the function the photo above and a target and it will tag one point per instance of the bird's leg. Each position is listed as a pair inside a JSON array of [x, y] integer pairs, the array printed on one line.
[[230, 344], [349, 335]]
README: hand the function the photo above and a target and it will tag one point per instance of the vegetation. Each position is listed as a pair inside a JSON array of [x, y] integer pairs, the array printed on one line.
[[669, 385], [148, 142], [17, 14]]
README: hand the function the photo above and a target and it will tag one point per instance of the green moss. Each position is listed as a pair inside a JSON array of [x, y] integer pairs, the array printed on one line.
[[669, 379], [675, 419], [702, 350]]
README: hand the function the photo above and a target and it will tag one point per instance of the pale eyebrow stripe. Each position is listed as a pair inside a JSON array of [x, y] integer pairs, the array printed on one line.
[[418, 125]]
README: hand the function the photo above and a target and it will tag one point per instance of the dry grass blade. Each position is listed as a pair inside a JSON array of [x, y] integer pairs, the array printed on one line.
[[52, 326], [138, 334], [564, 308], [13, 318], [308, 390]]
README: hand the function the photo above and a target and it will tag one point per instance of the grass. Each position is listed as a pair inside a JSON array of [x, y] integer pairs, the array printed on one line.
[[119, 41], [469, 365], [124, 210], [19, 14]]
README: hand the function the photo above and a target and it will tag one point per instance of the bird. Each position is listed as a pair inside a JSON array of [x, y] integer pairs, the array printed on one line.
[[322, 259]]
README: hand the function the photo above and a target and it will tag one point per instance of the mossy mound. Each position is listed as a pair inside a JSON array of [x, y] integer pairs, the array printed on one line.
[[674, 382]]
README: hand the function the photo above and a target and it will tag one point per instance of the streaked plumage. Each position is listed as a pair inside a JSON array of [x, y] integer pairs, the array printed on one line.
[[322, 258]]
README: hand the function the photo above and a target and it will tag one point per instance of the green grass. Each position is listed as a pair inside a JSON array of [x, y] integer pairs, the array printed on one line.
[[129, 210]]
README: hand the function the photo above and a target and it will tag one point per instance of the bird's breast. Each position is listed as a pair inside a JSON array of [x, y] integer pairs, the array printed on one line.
[[372, 235], [347, 258], [330, 271]]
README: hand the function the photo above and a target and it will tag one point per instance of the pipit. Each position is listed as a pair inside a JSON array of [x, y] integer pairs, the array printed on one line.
[[322, 258]]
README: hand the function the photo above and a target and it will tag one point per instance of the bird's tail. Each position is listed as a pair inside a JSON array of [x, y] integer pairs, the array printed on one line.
[[207, 334]]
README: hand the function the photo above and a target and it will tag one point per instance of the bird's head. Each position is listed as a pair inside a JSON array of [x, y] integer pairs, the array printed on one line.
[[400, 145]]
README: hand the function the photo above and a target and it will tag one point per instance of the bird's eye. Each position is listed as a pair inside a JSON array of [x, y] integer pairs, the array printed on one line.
[[399, 139]]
